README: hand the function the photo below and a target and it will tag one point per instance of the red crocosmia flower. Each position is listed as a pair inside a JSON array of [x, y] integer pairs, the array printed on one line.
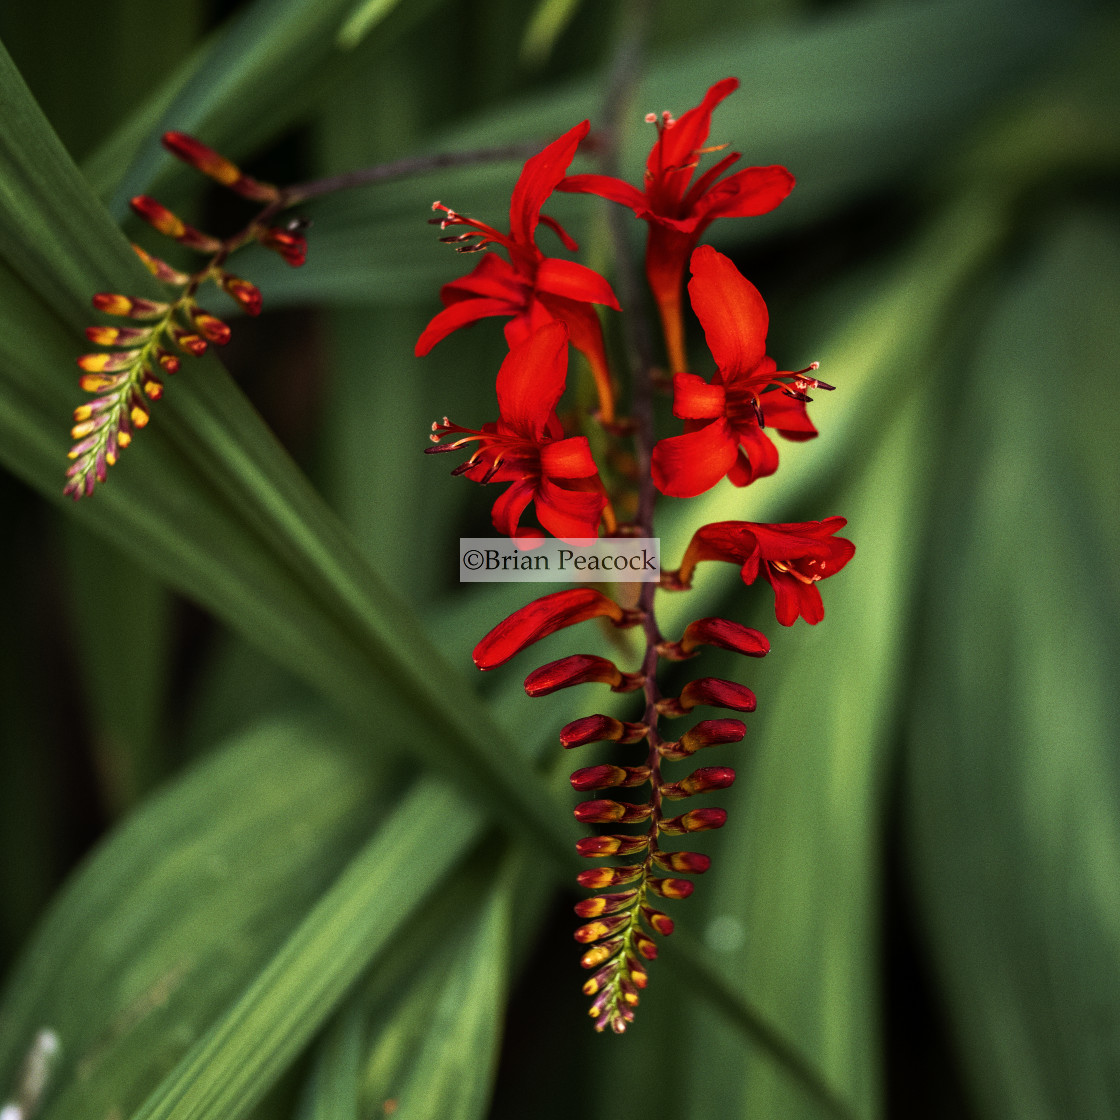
[[723, 430], [527, 446], [793, 557], [530, 287], [544, 616], [677, 209]]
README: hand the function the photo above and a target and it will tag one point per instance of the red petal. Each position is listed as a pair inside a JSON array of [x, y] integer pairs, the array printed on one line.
[[786, 415], [539, 179], [569, 514], [679, 143], [759, 458], [731, 311], [494, 277], [695, 399], [747, 193], [689, 464], [574, 281], [568, 458], [605, 186], [531, 380], [510, 506], [459, 314], [542, 617]]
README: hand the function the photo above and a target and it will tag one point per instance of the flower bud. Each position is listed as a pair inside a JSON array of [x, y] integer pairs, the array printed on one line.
[[545, 616], [700, 781], [691, 863], [659, 922], [645, 945], [671, 888], [719, 632], [601, 927], [600, 954], [211, 328], [695, 820], [604, 904], [709, 690], [130, 307], [595, 878], [217, 167], [246, 294], [707, 733], [598, 729], [117, 336], [595, 847], [580, 668], [607, 777], [603, 811], [170, 225], [160, 269], [108, 361], [290, 244]]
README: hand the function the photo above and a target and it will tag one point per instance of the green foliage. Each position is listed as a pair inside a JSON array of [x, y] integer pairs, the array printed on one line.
[[321, 862]]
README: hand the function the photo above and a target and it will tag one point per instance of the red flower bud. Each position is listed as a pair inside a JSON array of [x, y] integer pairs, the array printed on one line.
[[545, 616], [594, 878], [599, 954], [217, 167], [691, 863], [695, 820], [246, 294], [645, 945], [598, 729], [604, 904], [700, 781], [607, 776], [117, 336], [709, 690], [130, 307], [290, 244], [108, 361], [164, 221], [211, 328], [580, 668], [603, 811], [671, 888], [594, 847], [161, 270], [719, 632], [601, 927], [659, 922]]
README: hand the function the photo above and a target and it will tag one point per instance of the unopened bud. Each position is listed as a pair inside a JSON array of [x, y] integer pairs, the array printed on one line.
[[580, 668], [695, 820]]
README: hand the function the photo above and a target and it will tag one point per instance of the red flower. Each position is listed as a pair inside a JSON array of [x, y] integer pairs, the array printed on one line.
[[679, 210], [529, 286], [793, 557], [723, 434], [527, 446]]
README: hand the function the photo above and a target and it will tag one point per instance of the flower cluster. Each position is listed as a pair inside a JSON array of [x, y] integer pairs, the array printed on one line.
[[128, 376], [547, 460]]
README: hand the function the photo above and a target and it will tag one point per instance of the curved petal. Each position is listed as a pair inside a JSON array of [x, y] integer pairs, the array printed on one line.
[[792, 599], [538, 179], [695, 399], [531, 380], [459, 314], [568, 458], [493, 277], [510, 506], [759, 453], [786, 415], [747, 193], [731, 311], [688, 133], [574, 281], [569, 514], [605, 186], [689, 464]]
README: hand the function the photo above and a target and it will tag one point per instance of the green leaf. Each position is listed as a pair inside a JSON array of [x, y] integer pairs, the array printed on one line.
[[1014, 839]]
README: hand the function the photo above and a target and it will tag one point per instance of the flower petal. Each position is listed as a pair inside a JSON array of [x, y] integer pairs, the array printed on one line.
[[459, 314], [494, 277], [538, 179], [747, 193], [731, 311], [569, 514], [574, 281], [689, 464], [695, 399], [531, 380], [568, 458], [605, 186], [679, 143], [510, 506]]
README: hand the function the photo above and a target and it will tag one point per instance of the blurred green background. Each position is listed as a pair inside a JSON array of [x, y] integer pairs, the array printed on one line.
[[268, 846]]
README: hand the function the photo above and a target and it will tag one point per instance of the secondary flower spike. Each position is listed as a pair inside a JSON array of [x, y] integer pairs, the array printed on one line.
[[527, 447], [724, 419], [530, 287], [794, 557], [677, 209]]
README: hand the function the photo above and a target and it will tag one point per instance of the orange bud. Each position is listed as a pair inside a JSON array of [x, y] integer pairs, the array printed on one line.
[[603, 811], [217, 167], [594, 847], [695, 820], [596, 877], [109, 336], [170, 225], [659, 922], [131, 307], [671, 888], [246, 294], [601, 927], [211, 328], [692, 863], [161, 270], [604, 904]]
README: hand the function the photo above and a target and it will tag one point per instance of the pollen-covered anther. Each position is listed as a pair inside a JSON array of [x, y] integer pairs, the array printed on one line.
[[712, 691], [695, 820], [605, 811], [604, 904], [721, 633], [607, 776], [129, 307], [600, 729], [699, 781], [597, 847], [580, 668]]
